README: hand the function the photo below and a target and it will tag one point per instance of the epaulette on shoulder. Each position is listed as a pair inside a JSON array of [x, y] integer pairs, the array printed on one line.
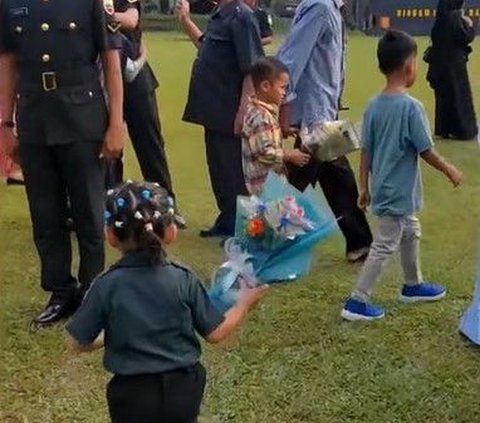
[[180, 266], [242, 10], [106, 272], [100, 276]]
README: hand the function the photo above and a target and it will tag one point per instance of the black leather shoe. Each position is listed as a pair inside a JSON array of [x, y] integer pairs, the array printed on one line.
[[214, 232], [13, 181], [180, 221], [57, 310]]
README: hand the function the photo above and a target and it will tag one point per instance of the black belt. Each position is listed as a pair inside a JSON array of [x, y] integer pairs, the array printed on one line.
[[53, 80]]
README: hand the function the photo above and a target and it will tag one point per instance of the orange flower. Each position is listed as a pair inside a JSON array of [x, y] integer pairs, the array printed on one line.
[[255, 228]]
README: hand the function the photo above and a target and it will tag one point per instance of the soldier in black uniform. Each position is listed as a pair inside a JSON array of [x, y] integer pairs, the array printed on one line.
[[220, 89], [48, 54], [141, 109]]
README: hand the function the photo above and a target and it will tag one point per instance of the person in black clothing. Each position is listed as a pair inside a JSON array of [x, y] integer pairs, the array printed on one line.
[[48, 72], [151, 310], [447, 74], [218, 96], [141, 109], [264, 20]]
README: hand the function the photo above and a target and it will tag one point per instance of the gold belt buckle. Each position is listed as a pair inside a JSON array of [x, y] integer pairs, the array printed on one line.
[[49, 81]]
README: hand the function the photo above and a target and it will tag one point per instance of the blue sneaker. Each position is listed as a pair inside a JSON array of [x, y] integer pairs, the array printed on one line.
[[422, 292], [358, 310]]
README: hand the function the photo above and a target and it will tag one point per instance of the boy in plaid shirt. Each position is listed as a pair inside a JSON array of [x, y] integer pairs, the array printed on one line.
[[262, 148]]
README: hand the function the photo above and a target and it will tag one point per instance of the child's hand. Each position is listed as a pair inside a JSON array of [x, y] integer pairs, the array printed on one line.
[[182, 10], [454, 175], [250, 297], [468, 21], [297, 157], [291, 131], [364, 200]]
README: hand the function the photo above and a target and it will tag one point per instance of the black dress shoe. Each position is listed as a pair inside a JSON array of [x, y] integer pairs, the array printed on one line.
[[13, 181], [215, 232], [180, 221], [56, 311]]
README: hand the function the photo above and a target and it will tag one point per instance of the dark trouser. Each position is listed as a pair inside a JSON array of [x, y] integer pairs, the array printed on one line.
[[172, 397], [145, 130], [50, 172], [451, 122], [338, 184], [224, 158]]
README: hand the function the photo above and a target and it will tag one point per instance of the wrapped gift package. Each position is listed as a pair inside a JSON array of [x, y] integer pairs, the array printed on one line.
[[328, 141]]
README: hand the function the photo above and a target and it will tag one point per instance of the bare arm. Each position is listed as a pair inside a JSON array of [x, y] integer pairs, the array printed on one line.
[[439, 163], [364, 191], [190, 28], [7, 86], [114, 138], [8, 140], [249, 298], [364, 171], [233, 319], [128, 19], [75, 347], [247, 92]]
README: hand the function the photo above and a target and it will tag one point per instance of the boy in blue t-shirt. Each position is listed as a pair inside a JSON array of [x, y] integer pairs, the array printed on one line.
[[395, 134]]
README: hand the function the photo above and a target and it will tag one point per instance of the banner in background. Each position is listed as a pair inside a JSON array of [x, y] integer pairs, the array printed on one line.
[[413, 16]]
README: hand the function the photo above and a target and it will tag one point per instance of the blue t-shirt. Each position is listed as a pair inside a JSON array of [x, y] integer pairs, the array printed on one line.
[[150, 315], [395, 132]]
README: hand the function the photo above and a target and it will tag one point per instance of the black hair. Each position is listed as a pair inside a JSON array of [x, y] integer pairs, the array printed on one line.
[[394, 49], [266, 69], [140, 212]]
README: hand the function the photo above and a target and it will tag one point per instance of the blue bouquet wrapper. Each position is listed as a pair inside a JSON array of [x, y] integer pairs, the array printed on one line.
[[226, 280], [280, 260], [470, 322]]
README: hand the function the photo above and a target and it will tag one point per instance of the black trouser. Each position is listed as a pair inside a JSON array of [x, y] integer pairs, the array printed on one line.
[[145, 130], [50, 172], [338, 184], [172, 397], [224, 158]]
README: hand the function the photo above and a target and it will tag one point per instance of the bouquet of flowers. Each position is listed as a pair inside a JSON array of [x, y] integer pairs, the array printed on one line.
[[470, 321], [328, 141], [274, 237]]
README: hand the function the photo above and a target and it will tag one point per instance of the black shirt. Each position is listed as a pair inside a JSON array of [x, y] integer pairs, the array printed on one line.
[[230, 46], [264, 22], [56, 45], [150, 315], [134, 36], [145, 81]]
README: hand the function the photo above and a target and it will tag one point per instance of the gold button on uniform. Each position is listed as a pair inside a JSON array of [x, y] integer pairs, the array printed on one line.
[[45, 27], [72, 25], [18, 29], [46, 58]]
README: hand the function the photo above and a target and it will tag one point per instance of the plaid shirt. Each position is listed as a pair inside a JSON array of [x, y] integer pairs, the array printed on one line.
[[262, 148]]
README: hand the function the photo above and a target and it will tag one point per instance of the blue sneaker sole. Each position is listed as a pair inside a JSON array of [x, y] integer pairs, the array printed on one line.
[[355, 317], [420, 299]]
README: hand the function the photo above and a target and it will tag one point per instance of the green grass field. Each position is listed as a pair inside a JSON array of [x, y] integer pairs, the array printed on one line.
[[295, 361]]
